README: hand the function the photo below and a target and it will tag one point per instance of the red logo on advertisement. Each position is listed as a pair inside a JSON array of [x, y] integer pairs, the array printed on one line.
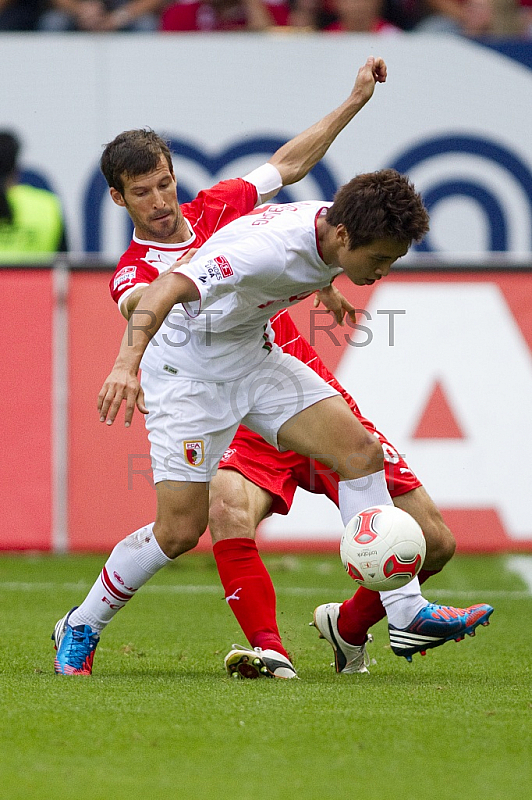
[[225, 266]]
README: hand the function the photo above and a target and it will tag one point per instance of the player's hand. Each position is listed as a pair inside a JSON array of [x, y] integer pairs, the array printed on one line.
[[335, 303], [374, 71], [184, 259], [121, 385]]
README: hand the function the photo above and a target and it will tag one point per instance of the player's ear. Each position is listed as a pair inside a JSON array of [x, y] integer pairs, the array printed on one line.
[[342, 235], [116, 197]]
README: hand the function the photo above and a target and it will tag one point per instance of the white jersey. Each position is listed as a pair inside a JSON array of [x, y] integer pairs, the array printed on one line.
[[255, 266]]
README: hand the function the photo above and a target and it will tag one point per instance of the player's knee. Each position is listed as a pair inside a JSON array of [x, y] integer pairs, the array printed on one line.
[[365, 458], [228, 520], [375, 454], [178, 535], [441, 543]]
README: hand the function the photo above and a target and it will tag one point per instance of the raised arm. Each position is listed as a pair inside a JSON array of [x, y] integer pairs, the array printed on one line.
[[297, 157], [122, 383]]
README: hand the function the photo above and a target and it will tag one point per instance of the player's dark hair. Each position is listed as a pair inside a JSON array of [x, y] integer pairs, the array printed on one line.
[[9, 148], [379, 205], [133, 153]]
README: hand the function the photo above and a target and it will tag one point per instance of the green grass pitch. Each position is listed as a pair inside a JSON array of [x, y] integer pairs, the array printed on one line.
[[160, 719]]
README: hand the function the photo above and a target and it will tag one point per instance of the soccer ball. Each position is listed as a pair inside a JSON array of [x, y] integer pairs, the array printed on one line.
[[382, 548]]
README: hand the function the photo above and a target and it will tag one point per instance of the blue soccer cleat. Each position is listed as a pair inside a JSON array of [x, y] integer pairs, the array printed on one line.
[[434, 625], [75, 647]]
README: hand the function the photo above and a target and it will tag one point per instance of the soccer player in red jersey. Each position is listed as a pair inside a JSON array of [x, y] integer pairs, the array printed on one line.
[[163, 232]]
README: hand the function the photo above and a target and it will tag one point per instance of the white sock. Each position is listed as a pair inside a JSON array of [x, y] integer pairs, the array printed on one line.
[[131, 564], [403, 604], [361, 493]]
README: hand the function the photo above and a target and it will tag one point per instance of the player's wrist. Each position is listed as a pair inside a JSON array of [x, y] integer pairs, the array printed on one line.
[[358, 99]]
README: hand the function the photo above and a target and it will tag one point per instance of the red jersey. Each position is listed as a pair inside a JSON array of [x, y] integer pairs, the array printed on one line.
[[208, 212], [290, 341]]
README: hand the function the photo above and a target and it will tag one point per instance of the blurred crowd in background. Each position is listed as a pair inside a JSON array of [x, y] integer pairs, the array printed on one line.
[[471, 18], [31, 219]]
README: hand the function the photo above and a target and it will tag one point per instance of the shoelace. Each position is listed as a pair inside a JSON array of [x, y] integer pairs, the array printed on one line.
[[446, 613], [80, 646]]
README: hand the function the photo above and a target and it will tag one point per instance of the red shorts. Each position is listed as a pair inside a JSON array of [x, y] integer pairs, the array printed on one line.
[[280, 473]]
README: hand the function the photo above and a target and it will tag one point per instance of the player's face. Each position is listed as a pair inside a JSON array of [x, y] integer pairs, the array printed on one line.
[[369, 263], [151, 201]]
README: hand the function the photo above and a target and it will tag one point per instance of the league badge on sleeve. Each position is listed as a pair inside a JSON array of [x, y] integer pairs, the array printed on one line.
[[194, 452], [225, 266], [219, 268]]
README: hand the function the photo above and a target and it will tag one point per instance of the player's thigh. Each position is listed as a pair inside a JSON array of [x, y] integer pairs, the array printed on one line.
[[190, 424], [236, 506], [440, 541], [182, 515], [265, 466], [329, 432]]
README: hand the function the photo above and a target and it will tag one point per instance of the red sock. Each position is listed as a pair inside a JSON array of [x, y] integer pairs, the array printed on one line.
[[363, 610], [249, 592]]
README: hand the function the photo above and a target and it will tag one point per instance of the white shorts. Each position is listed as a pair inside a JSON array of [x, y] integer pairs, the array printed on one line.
[[191, 423]]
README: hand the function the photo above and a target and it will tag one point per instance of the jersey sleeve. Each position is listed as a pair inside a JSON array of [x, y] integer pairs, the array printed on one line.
[[223, 202], [128, 276]]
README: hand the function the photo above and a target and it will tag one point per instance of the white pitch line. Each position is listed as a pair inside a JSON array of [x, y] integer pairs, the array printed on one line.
[[522, 565], [20, 586]]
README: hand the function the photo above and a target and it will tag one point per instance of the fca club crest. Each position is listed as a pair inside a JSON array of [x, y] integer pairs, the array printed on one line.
[[194, 452]]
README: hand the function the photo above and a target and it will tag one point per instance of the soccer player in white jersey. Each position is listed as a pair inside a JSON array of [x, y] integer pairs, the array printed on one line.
[[218, 366], [159, 238]]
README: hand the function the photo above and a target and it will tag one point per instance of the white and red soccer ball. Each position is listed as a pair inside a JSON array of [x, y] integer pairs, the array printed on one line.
[[382, 548]]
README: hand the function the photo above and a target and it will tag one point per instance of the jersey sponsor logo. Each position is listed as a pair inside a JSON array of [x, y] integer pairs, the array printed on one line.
[[124, 277], [225, 266], [194, 452], [218, 268]]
